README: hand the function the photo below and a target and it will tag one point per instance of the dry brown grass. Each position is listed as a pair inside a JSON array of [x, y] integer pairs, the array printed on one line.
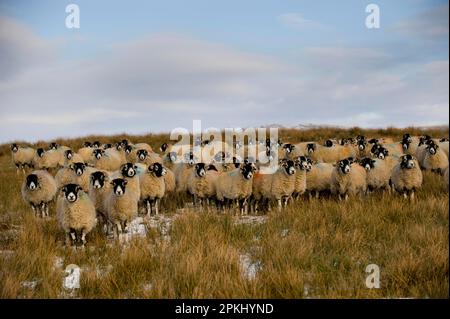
[[316, 248]]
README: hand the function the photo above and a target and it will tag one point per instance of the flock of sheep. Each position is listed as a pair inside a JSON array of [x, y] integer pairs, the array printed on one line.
[[111, 184]]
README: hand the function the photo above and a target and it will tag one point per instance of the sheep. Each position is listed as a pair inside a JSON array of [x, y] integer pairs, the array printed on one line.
[[383, 154], [182, 172], [129, 172], [378, 173], [169, 181], [348, 179], [435, 159], [331, 154], [152, 187], [108, 160], [76, 214], [407, 176], [201, 182], [22, 156], [444, 146], [275, 183], [70, 157], [86, 152], [76, 173], [302, 167], [148, 158], [39, 189], [410, 144], [47, 159], [318, 178], [99, 189], [121, 205], [132, 149], [236, 185]]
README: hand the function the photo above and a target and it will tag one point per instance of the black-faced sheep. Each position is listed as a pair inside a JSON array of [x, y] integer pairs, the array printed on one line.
[[38, 190], [406, 176]]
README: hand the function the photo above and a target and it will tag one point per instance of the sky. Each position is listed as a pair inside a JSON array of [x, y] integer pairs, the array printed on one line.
[[152, 66]]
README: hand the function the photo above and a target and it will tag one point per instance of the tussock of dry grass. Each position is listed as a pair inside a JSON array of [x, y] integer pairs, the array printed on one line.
[[315, 249]]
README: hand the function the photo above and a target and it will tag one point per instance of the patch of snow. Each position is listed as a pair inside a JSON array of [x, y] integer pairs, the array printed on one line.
[[72, 280], [249, 269], [248, 219]]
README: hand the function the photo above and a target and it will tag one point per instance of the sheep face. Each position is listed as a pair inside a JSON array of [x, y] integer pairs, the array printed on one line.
[[288, 148], [128, 170], [344, 166], [310, 147], [424, 139], [106, 146], [360, 138], [53, 146], [367, 163], [119, 186], [247, 170], [373, 141], [98, 179], [302, 163], [288, 165], [87, 144], [98, 153], [68, 154], [78, 168], [200, 169], [407, 162], [119, 146], [328, 143], [40, 152], [142, 154], [70, 192], [128, 149], [432, 148], [157, 169], [189, 157], [163, 147], [381, 153], [361, 145], [172, 157], [14, 147], [96, 144], [32, 182], [444, 139]]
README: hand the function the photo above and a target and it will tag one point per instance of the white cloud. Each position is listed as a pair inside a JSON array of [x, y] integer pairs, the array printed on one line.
[[297, 22]]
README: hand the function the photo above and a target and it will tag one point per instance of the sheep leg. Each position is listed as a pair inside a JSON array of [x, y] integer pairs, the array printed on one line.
[[340, 197], [405, 195], [73, 236], [346, 197], [317, 194], [83, 237], [156, 206], [34, 210], [42, 210], [149, 207], [412, 195], [279, 205]]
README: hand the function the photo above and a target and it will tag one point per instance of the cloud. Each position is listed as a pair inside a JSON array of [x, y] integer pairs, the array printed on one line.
[[297, 22], [20, 48], [162, 81], [431, 25]]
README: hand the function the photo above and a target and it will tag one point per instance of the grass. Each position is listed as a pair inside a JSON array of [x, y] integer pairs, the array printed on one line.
[[317, 248]]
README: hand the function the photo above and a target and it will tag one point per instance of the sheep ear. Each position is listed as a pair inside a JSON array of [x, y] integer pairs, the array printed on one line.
[[211, 167], [71, 166], [125, 182], [64, 189]]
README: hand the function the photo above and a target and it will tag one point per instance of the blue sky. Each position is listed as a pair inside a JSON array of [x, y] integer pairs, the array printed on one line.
[[140, 66]]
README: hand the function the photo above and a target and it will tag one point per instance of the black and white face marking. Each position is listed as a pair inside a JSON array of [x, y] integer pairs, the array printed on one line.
[[128, 149], [32, 182], [381, 152], [247, 170], [125, 142], [268, 143], [119, 186], [96, 144], [288, 165], [360, 138], [78, 168], [98, 153], [361, 145], [279, 143], [163, 147], [53, 146], [68, 154], [407, 162], [71, 192], [106, 146], [432, 147], [310, 147], [118, 146], [374, 148], [328, 143], [444, 139], [157, 169], [190, 158], [142, 154], [98, 179], [344, 166], [40, 152], [367, 163], [14, 147], [424, 139], [302, 163], [87, 144], [289, 148], [200, 169], [236, 162], [129, 170]]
